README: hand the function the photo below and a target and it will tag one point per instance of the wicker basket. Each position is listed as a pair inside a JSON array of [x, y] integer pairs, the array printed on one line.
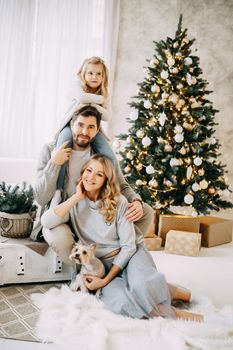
[[16, 225]]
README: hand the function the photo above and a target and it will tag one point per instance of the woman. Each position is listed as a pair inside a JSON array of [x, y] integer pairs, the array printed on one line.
[[132, 285]]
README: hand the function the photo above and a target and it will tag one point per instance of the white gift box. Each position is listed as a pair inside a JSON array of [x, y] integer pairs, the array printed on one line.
[[183, 243]]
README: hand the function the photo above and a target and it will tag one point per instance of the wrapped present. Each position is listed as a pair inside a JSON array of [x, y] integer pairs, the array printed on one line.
[[215, 231], [153, 229], [153, 243], [183, 243], [177, 222]]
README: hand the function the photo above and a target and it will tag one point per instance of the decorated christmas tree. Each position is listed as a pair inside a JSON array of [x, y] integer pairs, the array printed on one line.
[[171, 156]]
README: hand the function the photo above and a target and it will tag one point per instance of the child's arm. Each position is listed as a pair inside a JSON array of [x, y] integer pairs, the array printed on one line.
[[103, 111]]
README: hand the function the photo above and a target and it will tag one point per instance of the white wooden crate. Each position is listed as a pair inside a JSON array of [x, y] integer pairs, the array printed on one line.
[[19, 263]]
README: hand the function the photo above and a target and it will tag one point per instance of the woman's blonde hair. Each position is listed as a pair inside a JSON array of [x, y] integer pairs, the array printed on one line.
[[103, 89], [110, 191]]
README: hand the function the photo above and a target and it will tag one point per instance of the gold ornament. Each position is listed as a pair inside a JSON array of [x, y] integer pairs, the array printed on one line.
[[139, 167], [201, 172], [211, 190]]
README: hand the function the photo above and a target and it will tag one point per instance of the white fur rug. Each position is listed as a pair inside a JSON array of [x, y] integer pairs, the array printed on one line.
[[78, 321]]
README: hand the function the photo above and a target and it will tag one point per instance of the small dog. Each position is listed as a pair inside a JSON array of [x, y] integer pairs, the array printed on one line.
[[85, 255]]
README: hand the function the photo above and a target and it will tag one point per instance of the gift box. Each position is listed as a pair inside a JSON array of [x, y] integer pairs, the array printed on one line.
[[215, 231], [153, 229], [153, 243], [183, 243], [177, 222]]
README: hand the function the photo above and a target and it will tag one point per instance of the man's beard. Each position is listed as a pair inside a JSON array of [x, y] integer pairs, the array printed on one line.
[[83, 143]]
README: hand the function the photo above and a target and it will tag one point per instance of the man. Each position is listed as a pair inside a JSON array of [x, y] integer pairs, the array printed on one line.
[[85, 125]]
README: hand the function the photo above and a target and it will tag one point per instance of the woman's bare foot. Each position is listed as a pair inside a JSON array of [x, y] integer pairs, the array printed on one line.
[[179, 293], [188, 316]]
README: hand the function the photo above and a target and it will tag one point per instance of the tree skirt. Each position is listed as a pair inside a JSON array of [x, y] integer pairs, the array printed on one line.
[[74, 320]]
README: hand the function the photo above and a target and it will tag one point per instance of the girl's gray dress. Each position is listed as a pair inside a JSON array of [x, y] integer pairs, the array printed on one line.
[[140, 290]]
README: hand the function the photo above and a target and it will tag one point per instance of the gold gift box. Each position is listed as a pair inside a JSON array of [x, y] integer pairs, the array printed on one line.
[[183, 243], [153, 243], [177, 222], [215, 231]]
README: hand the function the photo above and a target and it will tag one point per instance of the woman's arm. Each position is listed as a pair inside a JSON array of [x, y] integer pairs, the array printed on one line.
[[94, 282], [60, 214], [64, 208]]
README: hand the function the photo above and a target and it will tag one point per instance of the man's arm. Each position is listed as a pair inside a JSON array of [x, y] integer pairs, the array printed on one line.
[[47, 174], [125, 188]]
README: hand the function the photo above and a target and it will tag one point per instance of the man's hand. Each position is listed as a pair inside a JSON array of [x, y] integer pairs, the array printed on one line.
[[134, 212], [61, 154]]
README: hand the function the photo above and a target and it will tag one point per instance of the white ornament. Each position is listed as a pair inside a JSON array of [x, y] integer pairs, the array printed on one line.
[[167, 148], [155, 88], [189, 172], [175, 70], [173, 98], [116, 144], [153, 62], [162, 118], [195, 187], [164, 74], [160, 140], [189, 79], [174, 162], [140, 133], [139, 182], [175, 45], [179, 138], [146, 141], [182, 150], [178, 129], [197, 161], [129, 139], [195, 105], [133, 115], [203, 184], [188, 199], [194, 213], [164, 95], [180, 86], [171, 61], [147, 104], [188, 61], [150, 170], [193, 80], [127, 169], [153, 183]]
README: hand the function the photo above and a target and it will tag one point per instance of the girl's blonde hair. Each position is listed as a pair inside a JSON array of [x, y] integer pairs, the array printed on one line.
[[110, 191], [103, 89]]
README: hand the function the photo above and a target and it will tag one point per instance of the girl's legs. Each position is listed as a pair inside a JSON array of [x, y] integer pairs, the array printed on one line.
[[100, 145], [65, 135]]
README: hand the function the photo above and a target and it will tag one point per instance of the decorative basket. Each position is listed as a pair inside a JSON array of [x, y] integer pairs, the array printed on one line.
[[16, 225]]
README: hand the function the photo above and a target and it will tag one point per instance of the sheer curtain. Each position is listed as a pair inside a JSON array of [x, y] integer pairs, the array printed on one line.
[[42, 44]]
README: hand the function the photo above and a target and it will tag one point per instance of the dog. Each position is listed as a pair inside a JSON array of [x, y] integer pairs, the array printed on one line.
[[84, 255]]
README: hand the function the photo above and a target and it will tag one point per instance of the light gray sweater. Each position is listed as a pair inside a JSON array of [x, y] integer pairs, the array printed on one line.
[[90, 227]]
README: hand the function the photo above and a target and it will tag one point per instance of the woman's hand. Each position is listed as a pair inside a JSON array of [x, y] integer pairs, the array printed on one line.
[[80, 191], [93, 282]]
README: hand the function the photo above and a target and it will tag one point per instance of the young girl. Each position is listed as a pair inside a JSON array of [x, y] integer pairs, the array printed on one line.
[[91, 88], [132, 285]]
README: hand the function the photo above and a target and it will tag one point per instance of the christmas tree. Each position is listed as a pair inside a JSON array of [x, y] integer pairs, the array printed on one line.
[[171, 156]]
